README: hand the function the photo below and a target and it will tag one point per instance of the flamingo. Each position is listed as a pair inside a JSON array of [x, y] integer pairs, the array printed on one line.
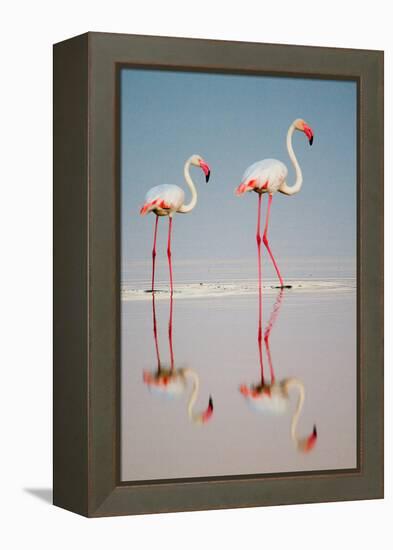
[[269, 176], [174, 382], [274, 398], [166, 200]]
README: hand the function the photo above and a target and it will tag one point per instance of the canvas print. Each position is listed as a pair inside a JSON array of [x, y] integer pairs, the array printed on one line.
[[238, 275]]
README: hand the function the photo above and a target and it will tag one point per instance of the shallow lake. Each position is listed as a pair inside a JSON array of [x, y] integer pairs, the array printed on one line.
[[312, 339]]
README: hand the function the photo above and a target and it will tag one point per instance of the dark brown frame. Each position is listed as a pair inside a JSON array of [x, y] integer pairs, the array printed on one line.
[[86, 274]]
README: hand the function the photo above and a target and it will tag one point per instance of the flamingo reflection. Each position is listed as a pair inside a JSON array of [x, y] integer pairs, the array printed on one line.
[[173, 382], [274, 397]]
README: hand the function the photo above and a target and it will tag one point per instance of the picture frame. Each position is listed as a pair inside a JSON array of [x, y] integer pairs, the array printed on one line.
[[86, 382]]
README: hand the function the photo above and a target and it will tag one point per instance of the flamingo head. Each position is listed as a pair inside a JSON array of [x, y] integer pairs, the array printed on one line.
[[302, 126], [307, 444], [197, 160], [206, 415]]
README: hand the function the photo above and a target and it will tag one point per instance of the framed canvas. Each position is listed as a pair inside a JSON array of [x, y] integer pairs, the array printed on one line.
[[233, 356]]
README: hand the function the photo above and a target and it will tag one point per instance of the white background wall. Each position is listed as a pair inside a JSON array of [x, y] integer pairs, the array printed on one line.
[[27, 30]]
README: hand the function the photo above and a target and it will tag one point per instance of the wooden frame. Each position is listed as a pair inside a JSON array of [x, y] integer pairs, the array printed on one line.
[[86, 275]]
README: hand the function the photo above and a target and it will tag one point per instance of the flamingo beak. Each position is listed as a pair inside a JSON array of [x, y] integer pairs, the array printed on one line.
[[309, 133], [310, 442], [206, 169], [206, 416]]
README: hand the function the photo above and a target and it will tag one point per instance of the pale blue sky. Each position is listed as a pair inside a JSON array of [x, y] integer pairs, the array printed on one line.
[[233, 121]]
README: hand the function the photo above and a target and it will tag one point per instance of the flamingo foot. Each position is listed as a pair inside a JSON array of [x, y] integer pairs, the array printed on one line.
[[155, 291]]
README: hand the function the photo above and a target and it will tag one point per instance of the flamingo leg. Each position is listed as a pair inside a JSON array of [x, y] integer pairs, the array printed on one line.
[[270, 325], [155, 333], [153, 254], [169, 252], [170, 326], [266, 242], [258, 237]]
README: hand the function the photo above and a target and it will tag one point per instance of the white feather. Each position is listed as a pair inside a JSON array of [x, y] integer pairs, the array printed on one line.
[[174, 388], [171, 194], [274, 404], [268, 170]]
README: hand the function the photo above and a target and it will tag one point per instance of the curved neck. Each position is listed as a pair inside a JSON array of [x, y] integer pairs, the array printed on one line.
[[286, 189], [188, 207], [294, 382], [194, 394]]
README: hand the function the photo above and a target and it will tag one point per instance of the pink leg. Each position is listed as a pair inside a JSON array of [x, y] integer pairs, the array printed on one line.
[[272, 320], [258, 236], [169, 252], [266, 242], [261, 357], [154, 254], [170, 325], [155, 333]]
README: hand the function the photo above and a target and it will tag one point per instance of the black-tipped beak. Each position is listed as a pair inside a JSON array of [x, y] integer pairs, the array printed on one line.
[[309, 133], [206, 169], [210, 406], [314, 432]]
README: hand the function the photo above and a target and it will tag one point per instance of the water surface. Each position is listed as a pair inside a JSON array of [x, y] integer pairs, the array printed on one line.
[[312, 339]]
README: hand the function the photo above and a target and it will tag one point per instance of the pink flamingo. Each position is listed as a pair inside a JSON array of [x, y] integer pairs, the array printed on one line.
[[273, 398], [173, 382], [166, 200], [269, 176]]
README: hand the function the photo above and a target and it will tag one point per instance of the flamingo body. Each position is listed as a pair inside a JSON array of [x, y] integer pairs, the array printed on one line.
[[163, 200], [267, 399], [264, 176], [168, 383]]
